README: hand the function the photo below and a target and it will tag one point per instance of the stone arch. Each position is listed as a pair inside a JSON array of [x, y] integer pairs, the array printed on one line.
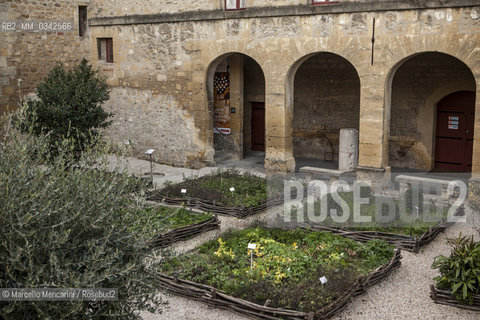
[[234, 141], [322, 66], [410, 133]]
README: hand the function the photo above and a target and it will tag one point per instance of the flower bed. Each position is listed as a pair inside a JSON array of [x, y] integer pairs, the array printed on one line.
[[404, 242], [459, 281], [163, 226], [410, 237], [227, 193], [295, 274]]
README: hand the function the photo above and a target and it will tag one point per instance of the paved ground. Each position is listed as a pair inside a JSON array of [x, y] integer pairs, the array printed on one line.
[[403, 295]]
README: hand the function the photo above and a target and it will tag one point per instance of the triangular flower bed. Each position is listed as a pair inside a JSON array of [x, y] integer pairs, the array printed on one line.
[[184, 233], [162, 226], [227, 193], [404, 242]]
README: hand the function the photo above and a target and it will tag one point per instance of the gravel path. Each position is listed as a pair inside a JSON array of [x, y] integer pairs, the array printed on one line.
[[403, 295]]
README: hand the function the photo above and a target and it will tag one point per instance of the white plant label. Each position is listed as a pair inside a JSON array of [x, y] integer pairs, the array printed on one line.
[[252, 246], [323, 280], [184, 191], [232, 189]]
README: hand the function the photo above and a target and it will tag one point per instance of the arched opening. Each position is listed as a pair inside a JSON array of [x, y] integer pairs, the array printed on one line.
[[236, 95], [326, 99], [426, 129]]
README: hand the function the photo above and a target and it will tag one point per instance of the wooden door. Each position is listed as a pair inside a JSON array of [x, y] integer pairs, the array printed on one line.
[[258, 126], [454, 133]]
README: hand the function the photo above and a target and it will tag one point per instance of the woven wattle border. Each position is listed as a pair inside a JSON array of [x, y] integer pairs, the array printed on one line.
[[209, 206], [183, 233], [445, 297]]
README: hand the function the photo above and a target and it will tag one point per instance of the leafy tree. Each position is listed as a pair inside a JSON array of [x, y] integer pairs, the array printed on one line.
[[69, 104], [65, 227]]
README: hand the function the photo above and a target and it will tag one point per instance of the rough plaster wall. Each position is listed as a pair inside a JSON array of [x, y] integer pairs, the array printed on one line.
[[416, 80], [149, 64], [147, 120], [254, 92], [327, 97], [31, 55], [105, 8]]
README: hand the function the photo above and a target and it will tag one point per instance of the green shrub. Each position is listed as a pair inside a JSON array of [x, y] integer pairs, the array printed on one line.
[[65, 227], [69, 104], [460, 272]]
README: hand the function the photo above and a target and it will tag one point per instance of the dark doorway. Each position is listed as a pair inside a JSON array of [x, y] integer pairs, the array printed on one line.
[[258, 126], [454, 133]]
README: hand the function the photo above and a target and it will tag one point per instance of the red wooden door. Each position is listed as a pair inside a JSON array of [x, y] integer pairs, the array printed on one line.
[[258, 126], [454, 135]]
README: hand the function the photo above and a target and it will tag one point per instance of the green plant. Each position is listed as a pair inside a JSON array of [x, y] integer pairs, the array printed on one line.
[[460, 272], [69, 105], [60, 227]]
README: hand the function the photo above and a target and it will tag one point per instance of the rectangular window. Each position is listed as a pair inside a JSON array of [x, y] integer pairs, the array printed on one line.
[[105, 49], [324, 1], [82, 20], [235, 4]]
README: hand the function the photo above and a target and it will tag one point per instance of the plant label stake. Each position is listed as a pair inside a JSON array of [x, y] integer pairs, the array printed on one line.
[[251, 247], [323, 280], [150, 152], [183, 191]]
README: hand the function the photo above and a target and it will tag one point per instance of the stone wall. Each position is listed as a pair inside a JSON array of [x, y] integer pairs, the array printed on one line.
[[106, 8], [144, 119], [413, 117], [327, 99], [29, 55], [162, 64], [173, 60]]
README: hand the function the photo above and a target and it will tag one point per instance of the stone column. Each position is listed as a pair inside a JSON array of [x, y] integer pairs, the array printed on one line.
[[278, 126], [348, 150], [476, 137], [236, 101], [374, 123], [374, 128]]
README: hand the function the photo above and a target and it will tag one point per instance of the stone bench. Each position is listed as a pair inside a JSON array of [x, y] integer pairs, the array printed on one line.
[[313, 172], [405, 182]]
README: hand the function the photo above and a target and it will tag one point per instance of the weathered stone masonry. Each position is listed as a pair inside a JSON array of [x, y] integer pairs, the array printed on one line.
[[163, 55], [30, 55]]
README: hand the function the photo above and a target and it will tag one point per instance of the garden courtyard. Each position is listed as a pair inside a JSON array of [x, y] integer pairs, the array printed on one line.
[[402, 295]]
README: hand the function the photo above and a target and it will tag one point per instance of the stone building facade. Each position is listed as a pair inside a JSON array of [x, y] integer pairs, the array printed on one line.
[[304, 69]]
